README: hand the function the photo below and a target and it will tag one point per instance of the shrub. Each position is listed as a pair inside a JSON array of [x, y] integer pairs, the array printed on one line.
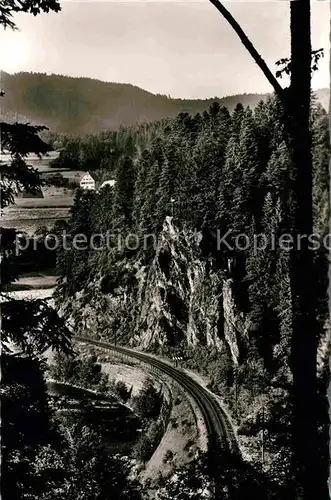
[[89, 371], [148, 442], [85, 372], [189, 444], [143, 449], [122, 391], [148, 402], [174, 423], [168, 457], [57, 180]]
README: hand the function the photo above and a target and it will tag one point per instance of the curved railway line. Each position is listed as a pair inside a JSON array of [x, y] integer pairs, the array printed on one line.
[[217, 424]]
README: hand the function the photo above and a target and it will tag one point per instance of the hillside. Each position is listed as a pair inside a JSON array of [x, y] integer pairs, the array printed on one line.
[[170, 275], [84, 105]]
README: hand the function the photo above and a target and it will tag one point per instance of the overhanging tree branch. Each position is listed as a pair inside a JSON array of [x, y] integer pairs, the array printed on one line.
[[250, 47]]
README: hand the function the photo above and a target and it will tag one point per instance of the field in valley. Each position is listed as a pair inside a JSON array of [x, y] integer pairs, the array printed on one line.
[[29, 214], [29, 220], [63, 200], [36, 281]]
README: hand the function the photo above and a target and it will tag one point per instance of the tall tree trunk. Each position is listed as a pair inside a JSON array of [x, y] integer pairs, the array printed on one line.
[[311, 482], [309, 465]]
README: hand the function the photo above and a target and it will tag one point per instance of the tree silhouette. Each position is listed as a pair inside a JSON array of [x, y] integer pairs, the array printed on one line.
[[9, 8], [28, 328]]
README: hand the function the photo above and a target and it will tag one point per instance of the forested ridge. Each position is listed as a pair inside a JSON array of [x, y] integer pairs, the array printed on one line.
[[101, 153], [85, 105]]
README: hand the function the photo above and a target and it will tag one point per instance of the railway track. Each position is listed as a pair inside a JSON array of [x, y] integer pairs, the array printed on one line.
[[218, 427]]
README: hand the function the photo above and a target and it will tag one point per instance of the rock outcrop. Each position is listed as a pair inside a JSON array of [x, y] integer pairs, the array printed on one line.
[[179, 297]]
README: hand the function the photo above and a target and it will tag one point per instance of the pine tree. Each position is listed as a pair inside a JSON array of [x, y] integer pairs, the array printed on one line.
[[230, 181], [321, 155], [148, 215], [246, 199], [73, 254], [237, 116], [164, 193], [123, 194], [207, 171], [143, 168]]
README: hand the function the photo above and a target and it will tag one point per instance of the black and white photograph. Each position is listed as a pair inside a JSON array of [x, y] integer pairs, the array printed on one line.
[[165, 243]]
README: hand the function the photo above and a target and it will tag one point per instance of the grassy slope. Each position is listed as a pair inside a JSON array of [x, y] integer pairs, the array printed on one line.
[[63, 201]]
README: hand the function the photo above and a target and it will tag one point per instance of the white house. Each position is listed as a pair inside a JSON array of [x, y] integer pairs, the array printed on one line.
[[110, 183], [87, 182]]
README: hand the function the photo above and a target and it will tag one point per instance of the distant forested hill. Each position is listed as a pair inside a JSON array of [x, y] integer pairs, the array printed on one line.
[[85, 105]]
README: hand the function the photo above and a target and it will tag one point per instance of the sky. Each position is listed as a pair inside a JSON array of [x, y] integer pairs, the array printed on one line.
[[179, 48]]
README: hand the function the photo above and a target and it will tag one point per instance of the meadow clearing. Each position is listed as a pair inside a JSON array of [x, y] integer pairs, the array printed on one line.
[[65, 200]]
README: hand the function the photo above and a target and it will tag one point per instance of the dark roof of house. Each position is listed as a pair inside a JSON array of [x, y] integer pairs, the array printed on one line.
[[83, 175]]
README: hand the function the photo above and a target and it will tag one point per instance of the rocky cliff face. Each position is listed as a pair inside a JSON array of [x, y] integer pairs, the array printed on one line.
[[177, 298]]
